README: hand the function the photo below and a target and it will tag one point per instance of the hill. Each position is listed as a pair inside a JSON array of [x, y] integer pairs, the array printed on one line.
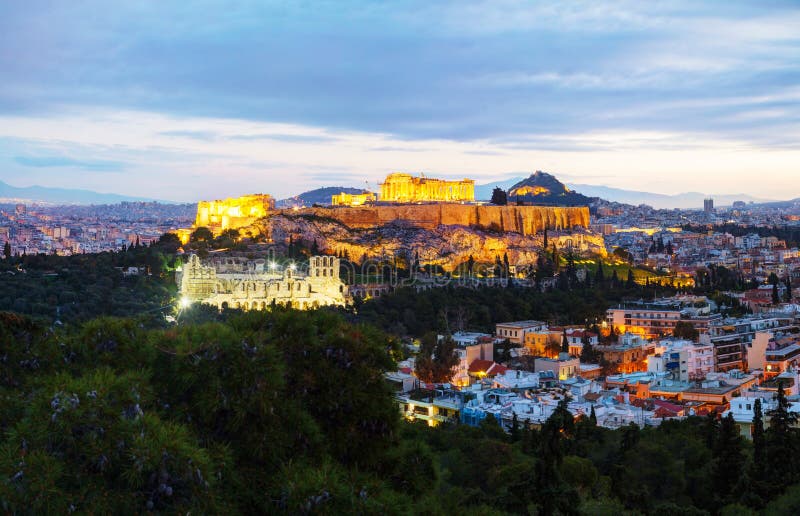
[[318, 196], [49, 195], [544, 189], [686, 200]]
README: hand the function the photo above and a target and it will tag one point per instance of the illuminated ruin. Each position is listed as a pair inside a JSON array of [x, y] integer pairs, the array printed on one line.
[[404, 188], [257, 284], [233, 213]]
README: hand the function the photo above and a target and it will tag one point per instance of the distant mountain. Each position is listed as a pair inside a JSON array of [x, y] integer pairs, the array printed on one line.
[[687, 200], [318, 196], [484, 192], [49, 195], [543, 188]]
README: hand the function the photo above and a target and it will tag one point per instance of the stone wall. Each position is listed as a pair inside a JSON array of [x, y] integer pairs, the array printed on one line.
[[526, 220]]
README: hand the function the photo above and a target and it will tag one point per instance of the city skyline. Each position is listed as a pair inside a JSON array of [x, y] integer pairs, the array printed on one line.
[[186, 103]]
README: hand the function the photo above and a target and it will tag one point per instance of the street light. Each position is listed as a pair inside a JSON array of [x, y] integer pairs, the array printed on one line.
[[185, 302]]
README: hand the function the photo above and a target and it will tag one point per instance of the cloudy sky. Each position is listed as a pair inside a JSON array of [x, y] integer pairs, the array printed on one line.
[[202, 99]]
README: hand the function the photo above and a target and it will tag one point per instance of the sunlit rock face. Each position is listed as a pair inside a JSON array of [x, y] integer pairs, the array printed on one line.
[[233, 213], [445, 235], [405, 188], [527, 220]]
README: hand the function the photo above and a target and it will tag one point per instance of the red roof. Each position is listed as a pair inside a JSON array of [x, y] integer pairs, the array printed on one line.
[[480, 366], [487, 367], [665, 406]]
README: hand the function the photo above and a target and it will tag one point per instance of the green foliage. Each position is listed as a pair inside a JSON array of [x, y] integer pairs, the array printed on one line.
[[110, 416], [441, 310], [436, 360], [285, 412], [685, 330], [80, 287]]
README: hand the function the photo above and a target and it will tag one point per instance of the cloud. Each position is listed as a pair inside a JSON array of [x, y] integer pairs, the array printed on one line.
[[416, 70], [194, 135], [287, 138], [61, 162]]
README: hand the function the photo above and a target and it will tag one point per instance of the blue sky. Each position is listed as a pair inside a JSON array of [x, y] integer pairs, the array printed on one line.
[[188, 100]]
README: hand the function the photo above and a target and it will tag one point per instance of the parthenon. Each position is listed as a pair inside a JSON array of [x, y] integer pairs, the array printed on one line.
[[399, 187]]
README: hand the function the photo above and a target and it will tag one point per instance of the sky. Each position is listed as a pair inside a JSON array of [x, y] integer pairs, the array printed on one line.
[[201, 100]]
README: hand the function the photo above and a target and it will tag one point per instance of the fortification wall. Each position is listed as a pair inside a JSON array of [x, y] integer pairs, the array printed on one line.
[[526, 220]]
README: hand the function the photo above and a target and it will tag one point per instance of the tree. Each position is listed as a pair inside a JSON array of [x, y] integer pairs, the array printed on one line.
[[7, 250], [499, 197], [781, 444], [630, 282], [437, 358], [201, 234], [470, 264], [685, 330], [728, 460], [599, 278], [564, 342], [758, 436], [588, 353], [774, 281]]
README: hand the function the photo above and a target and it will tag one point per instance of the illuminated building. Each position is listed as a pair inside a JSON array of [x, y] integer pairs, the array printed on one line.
[[403, 188], [346, 199], [255, 284], [233, 213], [516, 331], [659, 318]]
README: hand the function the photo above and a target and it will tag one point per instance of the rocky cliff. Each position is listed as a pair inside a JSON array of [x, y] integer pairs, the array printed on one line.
[[525, 220], [446, 235]]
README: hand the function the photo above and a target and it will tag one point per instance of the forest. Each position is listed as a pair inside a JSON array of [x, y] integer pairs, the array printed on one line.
[[287, 412], [84, 286]]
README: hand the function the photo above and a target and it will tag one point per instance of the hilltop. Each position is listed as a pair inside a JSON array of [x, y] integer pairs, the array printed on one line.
[[317, 196], [544, 189]]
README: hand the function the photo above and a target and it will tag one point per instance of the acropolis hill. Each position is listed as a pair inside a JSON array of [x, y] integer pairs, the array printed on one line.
[[441, 229]]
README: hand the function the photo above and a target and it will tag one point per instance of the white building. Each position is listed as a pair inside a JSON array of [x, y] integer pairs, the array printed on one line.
[[683, 360]]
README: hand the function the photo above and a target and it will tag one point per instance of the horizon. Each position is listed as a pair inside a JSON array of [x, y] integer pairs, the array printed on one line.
[[168, 102]]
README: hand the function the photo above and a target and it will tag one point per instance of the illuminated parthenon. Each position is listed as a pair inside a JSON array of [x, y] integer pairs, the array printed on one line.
[[399, 187]]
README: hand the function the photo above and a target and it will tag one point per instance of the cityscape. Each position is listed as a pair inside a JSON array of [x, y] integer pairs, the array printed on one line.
[[244, 272]]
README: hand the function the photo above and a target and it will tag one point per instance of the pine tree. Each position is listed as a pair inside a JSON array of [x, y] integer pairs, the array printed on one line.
[[514, 428], [630, 282], [564, 342], [592, 417], [599, 277], [728, 459], [781, 443], [499, 197], [7, 250], [758, 437]]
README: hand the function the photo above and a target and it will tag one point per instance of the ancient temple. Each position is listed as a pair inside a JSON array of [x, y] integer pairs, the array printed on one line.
[[255, 284], [233, 213], [405, 188]]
